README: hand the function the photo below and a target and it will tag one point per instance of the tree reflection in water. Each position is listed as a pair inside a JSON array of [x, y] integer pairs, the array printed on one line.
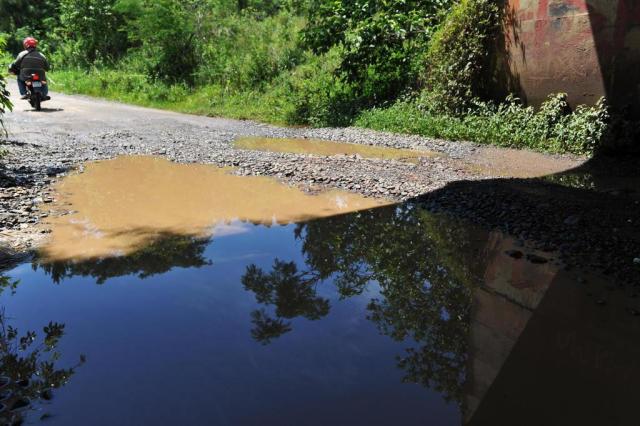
[[418, 261], [421, 263], [292, 293], [165, 253], [28, 371]]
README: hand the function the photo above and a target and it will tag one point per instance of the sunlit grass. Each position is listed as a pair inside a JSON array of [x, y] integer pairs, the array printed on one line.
[[211, 100]]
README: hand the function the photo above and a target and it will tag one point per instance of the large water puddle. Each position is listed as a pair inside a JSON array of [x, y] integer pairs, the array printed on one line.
[[121, 205], [329, 148], [389, 316], [384, 316]]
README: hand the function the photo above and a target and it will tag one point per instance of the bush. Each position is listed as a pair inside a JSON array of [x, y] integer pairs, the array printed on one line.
[[553, 128], [5, 102], [162, 32], [22, 18], [261, 59], [89, 33], [458, 56], [380, 41], [248, 52], [317, 96]]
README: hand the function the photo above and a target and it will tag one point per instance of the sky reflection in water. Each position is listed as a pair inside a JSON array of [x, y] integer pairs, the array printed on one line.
[[183, 332], [389, 316]]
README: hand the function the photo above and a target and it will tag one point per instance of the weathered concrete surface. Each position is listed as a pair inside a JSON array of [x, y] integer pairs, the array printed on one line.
[[585, 48]]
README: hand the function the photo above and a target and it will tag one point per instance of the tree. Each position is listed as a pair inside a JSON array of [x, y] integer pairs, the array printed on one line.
[[425, 284], [20, 18], [90, 31], [381, 40], [167, 252], [29, 373], [5, 102], [162, 32]]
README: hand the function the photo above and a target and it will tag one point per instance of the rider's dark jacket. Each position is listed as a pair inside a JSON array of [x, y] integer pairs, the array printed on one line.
[[28, 62]]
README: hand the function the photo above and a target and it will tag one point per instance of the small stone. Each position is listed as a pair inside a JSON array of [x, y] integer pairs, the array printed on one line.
[[516, 254], [534, 258], [572, 220]]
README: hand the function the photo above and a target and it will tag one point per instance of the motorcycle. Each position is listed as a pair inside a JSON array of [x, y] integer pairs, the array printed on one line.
[[35, 91]]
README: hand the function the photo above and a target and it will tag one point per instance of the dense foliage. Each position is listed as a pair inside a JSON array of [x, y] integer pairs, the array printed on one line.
[[5, 102], [20, 18], [88, 32], [423, 66], [459, 55], [162, 35], [552, 128], [382, 41]]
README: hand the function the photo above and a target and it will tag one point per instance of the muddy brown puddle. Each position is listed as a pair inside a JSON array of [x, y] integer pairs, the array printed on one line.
[[122, 204], [387, 315], [329, 148]]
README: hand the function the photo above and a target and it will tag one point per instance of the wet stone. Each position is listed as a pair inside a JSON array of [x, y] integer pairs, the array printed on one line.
[[329, 148], [533, 258], [516, 254]]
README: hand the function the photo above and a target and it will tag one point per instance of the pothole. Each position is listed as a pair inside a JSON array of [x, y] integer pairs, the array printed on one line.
[[117, 206], [329, 148]]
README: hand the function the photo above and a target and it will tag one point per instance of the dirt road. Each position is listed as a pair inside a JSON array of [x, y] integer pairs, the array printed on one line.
[[71, 130]]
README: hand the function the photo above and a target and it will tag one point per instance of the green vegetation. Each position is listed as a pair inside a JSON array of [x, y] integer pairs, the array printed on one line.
[[5, 103], [553, 128], [419, 66], [458, 57], [382, 42]]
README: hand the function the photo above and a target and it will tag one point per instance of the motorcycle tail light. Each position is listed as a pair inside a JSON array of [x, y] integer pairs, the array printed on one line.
[[36, 77]]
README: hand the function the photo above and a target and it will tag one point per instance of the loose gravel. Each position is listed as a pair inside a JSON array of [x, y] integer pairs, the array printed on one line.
[[44, 147], [36, 158]]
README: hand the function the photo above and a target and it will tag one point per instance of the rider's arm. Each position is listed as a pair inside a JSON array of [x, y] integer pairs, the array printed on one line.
[[15, 66]]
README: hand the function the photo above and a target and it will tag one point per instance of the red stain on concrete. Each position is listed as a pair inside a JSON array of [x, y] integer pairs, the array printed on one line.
[[581, 47]]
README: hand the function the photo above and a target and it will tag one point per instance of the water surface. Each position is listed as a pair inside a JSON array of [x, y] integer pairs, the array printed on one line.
[[385, 316], [122, 205], [329, 148]]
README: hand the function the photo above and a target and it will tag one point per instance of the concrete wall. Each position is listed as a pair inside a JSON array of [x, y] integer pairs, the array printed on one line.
[[586, 48], [502, 307]]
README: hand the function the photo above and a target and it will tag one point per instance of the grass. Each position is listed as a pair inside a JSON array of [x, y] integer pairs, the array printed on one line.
[[211, 100], [553, 128]]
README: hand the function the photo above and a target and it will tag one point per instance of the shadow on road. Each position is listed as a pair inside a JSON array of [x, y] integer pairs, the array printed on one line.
[[44, 110], [590, 213]]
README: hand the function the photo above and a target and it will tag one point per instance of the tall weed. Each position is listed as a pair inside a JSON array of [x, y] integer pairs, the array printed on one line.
[[552, 128]]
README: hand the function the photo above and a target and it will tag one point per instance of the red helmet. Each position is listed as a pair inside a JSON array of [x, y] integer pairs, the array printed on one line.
[[30, 42]]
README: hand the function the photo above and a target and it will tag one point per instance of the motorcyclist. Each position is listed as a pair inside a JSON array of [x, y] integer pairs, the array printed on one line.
[[30, 61]]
